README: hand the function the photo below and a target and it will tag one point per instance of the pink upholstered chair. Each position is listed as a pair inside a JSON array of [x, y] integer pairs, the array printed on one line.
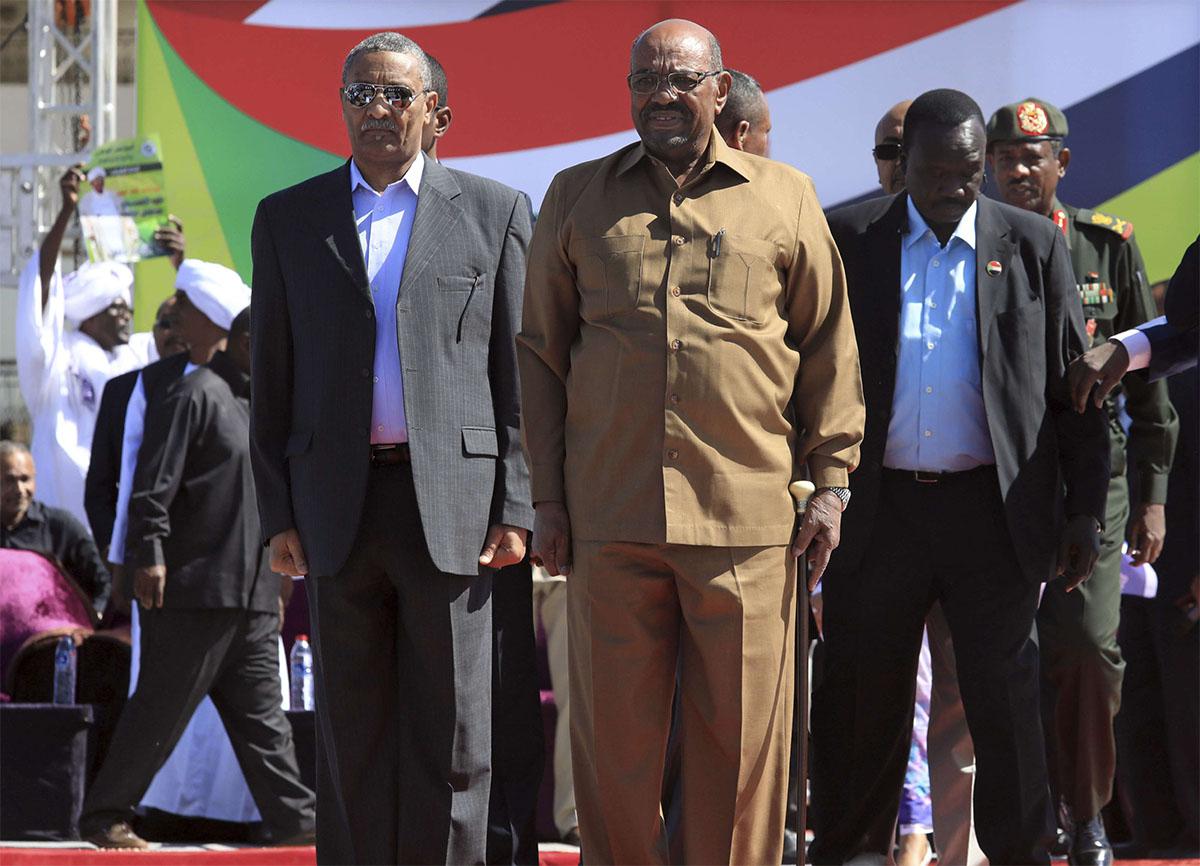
[[37, 600]]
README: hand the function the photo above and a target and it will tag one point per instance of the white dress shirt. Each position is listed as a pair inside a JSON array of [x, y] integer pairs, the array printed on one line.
[[1137, 344], [938, 421], [385, 221]]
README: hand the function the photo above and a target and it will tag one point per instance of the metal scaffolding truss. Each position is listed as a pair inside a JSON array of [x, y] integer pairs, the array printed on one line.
[[72, 84]]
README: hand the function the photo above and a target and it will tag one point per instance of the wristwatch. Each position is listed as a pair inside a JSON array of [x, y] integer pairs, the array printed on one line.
[[842, 493]]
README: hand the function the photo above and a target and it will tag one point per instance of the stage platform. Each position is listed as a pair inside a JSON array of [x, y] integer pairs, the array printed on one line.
[[78, 854]]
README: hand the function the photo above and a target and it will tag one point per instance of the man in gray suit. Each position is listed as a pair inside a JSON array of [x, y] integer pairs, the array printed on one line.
[[388, 460]]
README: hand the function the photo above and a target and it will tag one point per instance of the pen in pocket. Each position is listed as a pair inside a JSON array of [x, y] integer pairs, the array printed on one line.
[[714, 247]]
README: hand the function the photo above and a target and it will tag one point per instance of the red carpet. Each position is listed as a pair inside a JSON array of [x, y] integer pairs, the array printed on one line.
[[192, 855], [218, 855]]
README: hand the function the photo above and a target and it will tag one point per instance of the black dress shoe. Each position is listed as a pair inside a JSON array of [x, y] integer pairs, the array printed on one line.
[[1091, 846], [791, 851], [1061, 846]]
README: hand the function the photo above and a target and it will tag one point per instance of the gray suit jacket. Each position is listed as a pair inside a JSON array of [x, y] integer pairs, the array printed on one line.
[[313, 344]]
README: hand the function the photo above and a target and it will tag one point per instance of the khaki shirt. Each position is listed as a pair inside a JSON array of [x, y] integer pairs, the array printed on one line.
[[673, 385]]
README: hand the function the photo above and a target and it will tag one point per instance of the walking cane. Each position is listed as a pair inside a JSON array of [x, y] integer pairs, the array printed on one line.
[[801, 491]]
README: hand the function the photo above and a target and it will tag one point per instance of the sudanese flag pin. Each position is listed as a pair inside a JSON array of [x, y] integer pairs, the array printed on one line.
[[994, 268]]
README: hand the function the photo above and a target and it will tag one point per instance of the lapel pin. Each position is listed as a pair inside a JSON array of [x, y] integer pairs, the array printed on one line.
[[994, 268]]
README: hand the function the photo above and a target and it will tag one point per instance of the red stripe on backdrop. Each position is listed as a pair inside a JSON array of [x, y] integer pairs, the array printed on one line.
[[539, 76]]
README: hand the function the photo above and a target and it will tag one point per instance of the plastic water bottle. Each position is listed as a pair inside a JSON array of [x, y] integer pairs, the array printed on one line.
[[301, 666], [64, 670]]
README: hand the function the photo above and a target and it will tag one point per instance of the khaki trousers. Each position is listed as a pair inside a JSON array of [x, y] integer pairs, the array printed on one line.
[[550, 603], [726, 615]]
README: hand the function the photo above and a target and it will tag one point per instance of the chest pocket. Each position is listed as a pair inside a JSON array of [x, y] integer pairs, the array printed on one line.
[[743, 282], [609, 275]]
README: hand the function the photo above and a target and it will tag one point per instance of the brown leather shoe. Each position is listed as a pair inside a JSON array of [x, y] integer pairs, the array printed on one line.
[[118, 835]]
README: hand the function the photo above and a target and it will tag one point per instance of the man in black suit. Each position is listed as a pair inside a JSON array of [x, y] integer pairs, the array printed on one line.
[[209, 604], [388, 458], [967, 316], [104, 470]]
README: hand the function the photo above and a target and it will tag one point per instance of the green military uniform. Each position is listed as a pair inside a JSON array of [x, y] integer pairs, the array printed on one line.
[[1077, 631]]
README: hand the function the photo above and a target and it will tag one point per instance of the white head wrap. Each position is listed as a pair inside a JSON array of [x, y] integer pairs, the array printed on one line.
[[93, 287], [96, 172], [214, 290]]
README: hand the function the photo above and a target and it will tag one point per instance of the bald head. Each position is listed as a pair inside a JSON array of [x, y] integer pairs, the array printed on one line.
[[891, 125], [889, 133], [676, 30], [677, 88]]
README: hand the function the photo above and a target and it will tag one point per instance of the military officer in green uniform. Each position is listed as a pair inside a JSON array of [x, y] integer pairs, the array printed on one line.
[[1081, 662]]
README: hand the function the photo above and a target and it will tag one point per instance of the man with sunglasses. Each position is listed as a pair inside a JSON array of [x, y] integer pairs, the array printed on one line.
[[674, 287], [887, 147], [387, 458], [73, 334]]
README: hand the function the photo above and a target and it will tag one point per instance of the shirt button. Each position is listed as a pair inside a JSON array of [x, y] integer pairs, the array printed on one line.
[[928, 389], [675, 291], [677, 198], [937, 263], [366, 373], [929, 345], [369, 313], [675, 399], [933, 305], [677, 240], [672, 454], [676, 345], [380, 429], [928, 434]]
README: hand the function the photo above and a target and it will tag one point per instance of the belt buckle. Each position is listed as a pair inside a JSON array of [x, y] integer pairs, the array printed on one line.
[[923, 477]]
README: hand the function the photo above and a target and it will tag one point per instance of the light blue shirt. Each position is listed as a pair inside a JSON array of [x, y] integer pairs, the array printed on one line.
[[938, 422], [385, 221]]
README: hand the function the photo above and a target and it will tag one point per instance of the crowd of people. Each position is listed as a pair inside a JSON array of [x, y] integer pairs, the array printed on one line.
[[648, 422]]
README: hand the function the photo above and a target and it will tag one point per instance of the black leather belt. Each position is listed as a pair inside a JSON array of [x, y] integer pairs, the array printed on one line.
[[390, 455], [921, 476]]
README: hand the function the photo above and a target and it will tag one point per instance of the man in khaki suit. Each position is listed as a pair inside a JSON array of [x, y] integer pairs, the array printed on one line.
[[686, 352]]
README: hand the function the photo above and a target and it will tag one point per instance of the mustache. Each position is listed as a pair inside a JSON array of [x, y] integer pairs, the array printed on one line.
[[658, 109], [378, 123]]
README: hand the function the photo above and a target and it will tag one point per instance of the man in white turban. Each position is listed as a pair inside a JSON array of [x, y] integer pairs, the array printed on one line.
[[73, 335], [201, 777]]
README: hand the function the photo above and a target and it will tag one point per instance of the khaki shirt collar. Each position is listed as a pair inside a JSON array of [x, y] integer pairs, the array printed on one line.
[[716, 152]]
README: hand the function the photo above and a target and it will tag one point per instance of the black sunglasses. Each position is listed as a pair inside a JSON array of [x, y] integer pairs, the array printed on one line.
[[681, 82], [360, 94], [887, 152]]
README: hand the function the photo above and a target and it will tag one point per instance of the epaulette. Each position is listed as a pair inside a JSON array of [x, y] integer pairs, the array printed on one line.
[[1124, 228]]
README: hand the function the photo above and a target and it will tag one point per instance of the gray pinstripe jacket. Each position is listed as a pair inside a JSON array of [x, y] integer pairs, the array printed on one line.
[[313, 345]]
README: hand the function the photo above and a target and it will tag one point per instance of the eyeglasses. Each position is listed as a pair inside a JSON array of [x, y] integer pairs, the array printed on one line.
[[361, 94], [165, 324], [681, 82], [887, 152]]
